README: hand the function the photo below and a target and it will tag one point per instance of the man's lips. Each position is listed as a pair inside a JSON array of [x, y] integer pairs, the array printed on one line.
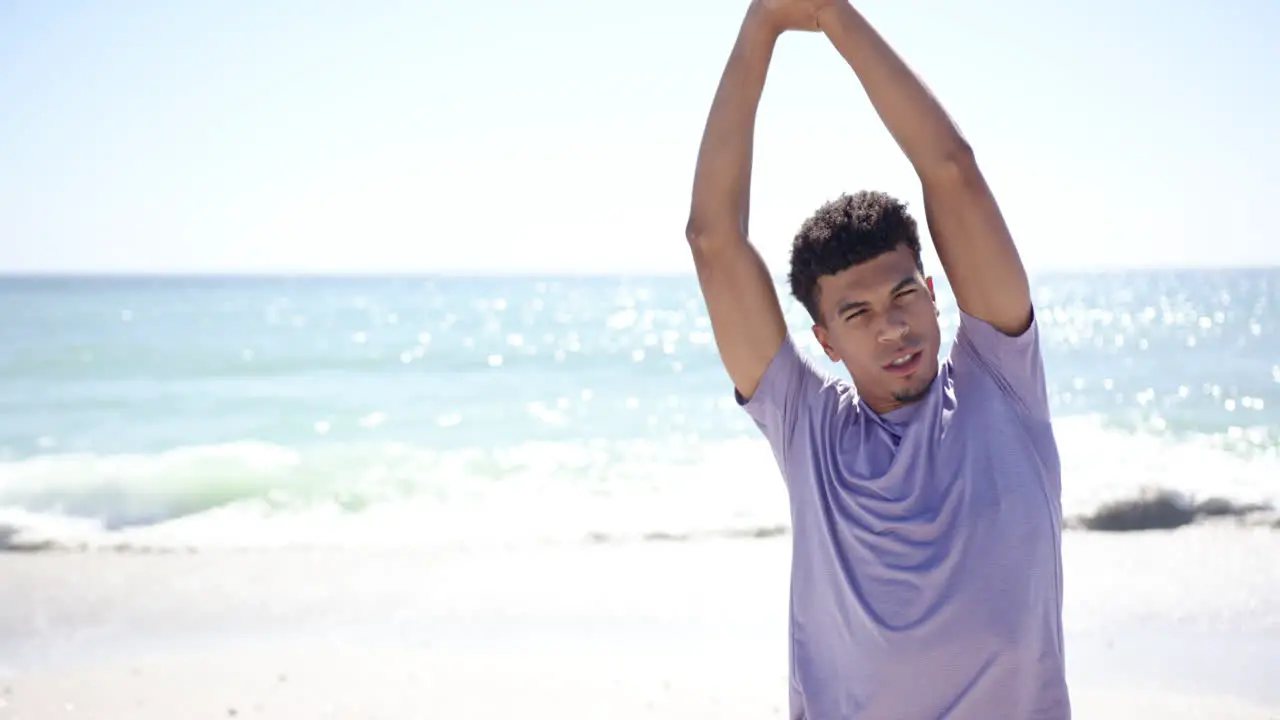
[[904, 363]]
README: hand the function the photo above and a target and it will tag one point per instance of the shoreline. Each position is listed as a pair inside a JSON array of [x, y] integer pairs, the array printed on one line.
[[1154, 512]]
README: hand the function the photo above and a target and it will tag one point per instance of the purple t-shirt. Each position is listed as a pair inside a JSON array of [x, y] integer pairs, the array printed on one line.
[[926, 572]]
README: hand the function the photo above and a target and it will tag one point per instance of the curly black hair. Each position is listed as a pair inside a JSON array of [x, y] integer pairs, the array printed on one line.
[[848, 231]]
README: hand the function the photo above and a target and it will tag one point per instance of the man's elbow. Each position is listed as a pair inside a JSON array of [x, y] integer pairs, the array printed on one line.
[[955, 165], [694, 231], [706, 237]]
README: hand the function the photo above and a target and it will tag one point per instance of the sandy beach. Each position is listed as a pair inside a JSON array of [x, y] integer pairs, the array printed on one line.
[[305, 680], [1180, 624]]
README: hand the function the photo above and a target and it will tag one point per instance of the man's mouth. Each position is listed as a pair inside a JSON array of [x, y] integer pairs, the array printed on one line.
[[904, 363]]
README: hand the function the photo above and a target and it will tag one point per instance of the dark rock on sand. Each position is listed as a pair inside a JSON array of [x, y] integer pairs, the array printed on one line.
[[1162, 510]]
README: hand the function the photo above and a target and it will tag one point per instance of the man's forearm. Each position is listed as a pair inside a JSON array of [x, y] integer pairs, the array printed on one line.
[[916, 120], [722, 180]]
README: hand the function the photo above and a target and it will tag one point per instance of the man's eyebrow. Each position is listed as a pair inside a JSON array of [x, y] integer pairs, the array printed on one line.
[[903, 284], [850, 305]]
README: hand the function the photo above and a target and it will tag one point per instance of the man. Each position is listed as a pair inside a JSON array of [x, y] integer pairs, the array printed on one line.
[[926, 569]]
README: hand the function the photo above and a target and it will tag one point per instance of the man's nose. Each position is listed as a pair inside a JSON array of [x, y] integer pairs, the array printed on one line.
[[894, 327]]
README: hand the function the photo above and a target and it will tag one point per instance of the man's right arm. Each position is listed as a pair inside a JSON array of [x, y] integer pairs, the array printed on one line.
[[746, 317]]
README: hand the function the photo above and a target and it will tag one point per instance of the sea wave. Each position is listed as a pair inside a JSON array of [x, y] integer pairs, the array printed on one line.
[[254, 495]]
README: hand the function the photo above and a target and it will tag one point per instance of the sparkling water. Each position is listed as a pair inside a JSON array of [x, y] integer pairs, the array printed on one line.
[[478, 410]]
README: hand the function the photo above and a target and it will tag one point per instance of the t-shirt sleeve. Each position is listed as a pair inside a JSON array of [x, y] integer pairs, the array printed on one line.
[[793, 401], [1014, 362]]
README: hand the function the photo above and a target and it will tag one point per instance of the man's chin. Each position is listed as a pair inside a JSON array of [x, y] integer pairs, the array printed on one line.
[[914, 393]]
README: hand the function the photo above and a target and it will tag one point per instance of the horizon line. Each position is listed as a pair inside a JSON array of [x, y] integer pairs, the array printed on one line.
[[114, 274]]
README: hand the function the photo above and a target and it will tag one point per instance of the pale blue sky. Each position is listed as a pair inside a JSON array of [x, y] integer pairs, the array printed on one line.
[[298, 135]]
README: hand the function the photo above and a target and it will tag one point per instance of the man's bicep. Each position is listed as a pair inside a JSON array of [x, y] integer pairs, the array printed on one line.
[[746, 317], [1013, 361]]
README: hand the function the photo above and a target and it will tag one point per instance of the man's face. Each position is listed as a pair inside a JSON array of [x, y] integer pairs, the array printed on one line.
[[880, 319]]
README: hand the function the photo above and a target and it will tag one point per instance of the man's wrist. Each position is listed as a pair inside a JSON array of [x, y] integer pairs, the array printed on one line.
[[828, 13], [759, 25]]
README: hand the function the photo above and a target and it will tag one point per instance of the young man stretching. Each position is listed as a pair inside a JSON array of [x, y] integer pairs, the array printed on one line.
[[926, 577]]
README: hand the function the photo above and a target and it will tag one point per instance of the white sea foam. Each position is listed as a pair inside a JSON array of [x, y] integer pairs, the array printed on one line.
[[255, 494]]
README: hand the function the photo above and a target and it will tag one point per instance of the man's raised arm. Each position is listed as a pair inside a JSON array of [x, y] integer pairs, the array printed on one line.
[[746, 317], [973, 242]]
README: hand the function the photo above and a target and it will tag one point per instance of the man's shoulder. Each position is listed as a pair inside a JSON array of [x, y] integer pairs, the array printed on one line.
[[793, 377], [985, 413], [977, 395], [984, 361], [798, 405]]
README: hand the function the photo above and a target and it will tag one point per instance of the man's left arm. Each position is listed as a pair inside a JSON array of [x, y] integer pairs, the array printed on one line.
[[969, 233]]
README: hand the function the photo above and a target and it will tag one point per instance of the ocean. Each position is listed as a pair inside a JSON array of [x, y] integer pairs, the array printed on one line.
[[457, 412]]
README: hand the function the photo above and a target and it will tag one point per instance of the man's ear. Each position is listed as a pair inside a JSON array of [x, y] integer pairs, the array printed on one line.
[[928, 282], [820, 333]]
